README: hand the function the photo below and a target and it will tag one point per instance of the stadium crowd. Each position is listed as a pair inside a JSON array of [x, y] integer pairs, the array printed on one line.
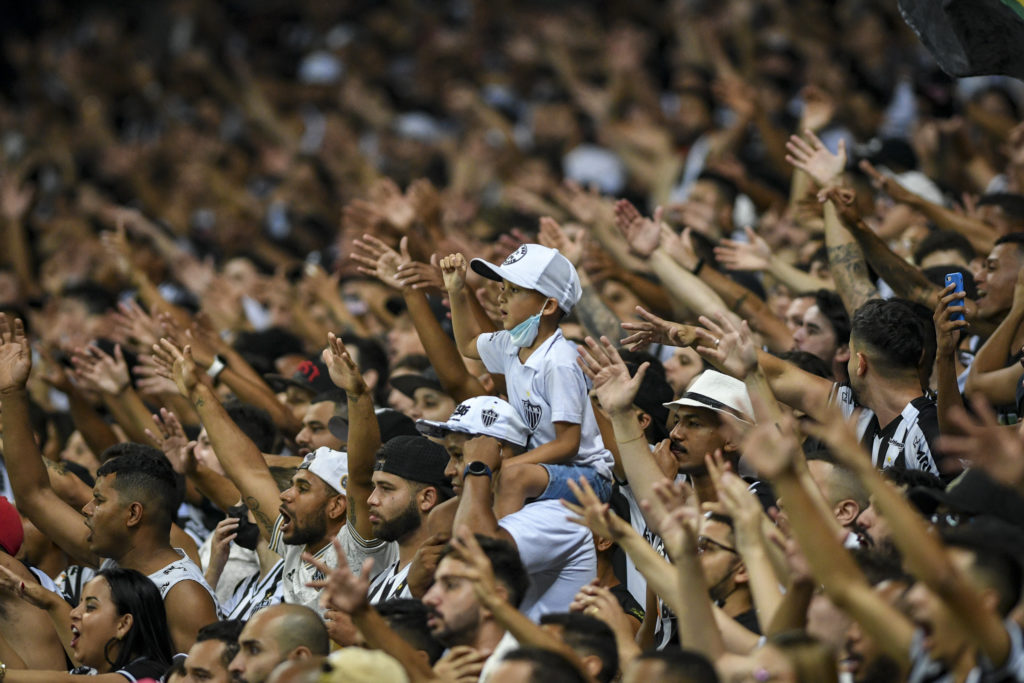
[[509, 342]]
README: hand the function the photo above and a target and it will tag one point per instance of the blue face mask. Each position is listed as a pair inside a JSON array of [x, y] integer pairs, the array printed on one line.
[[525, 333]]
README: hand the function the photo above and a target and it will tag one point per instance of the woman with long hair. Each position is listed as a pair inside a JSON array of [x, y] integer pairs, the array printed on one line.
[[118, 631]]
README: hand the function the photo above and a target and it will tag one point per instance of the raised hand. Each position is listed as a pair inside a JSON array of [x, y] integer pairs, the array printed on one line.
[[15, 198], [819, 108], [655, 330], [889, 186], [678, 520], [728, 344], [811, 156], [453, 269], [553, 235], [643, 234], [984, 443], [599, 602], [169, 436], [98, 371], [771, 448], [148, 379], [226, 531], [419, 275], [32, 593], [395, 208], [947, 330], [593, 514], [178, 365], [343, 370], [586, 206], [377, 259], [840, 435], [342, 590], [15, 354], [679, 246], [137, 328], [615, 389], [476, 567], [743, 506], [754, 254]]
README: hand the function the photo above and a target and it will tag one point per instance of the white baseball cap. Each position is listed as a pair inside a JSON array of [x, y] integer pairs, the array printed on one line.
[[480, 415], [721, 393], [540, 268], [330, 465]]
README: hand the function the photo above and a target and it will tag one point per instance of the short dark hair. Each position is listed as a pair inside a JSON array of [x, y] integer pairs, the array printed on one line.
[[505, 562], [907, 478], [831, 306], [725, 185], [143, 474], [1011, 204], [226, 632], [682, 666], [1013, 238], [408, 618], [996, 560], [546, 665], [893, 331], [256, 423], [588, 636], [943, 240]]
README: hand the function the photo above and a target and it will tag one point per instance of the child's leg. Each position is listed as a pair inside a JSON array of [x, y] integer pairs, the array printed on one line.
[[517, 484]]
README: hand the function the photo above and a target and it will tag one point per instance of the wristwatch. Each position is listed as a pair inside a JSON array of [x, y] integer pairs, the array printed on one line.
[[477, 469], [216, 367]]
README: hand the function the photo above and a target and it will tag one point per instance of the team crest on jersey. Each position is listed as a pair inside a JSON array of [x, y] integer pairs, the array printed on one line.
[[516, 255], [489, 417], [533, 413]]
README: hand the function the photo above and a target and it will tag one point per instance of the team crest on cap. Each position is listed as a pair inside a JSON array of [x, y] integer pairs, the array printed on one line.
[[489, 417], [533, 413], [460, 410], [516, 255]]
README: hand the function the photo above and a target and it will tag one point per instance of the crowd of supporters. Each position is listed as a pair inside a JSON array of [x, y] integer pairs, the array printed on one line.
[[509, 342]]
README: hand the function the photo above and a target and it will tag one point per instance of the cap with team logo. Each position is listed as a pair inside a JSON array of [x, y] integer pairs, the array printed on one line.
[[480, 415], [540, 268], [330, 465], [720, 393]]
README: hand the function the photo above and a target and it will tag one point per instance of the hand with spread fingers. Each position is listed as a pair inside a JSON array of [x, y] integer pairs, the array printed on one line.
[[377, 259], [99, 371], [593, 514], [178, 365], [603, 365], [342, 590], [728, 344], [342, 368], [655, 330], [643, 234], [15, 354]]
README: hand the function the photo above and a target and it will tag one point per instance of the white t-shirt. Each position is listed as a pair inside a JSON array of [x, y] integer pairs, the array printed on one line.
[[559, 556], [504, 646], [549, 387], [298, 573]]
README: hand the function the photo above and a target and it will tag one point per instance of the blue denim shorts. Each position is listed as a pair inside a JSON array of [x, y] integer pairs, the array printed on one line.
[[559, 475]]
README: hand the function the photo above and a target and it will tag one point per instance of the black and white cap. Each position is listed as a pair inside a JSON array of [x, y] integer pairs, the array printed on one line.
[[540, 268], [480, 415]]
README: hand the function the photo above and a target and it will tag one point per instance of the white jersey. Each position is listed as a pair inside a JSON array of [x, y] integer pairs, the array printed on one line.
[[548, 388], [558, 555], [297, 572], [182, 569]]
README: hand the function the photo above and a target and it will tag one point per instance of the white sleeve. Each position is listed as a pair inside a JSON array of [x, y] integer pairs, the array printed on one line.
[[493, 350], [566, 389], [543, 537]]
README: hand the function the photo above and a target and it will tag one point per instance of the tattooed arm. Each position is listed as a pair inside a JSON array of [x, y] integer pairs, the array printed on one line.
[[846, 263], [593, 313]]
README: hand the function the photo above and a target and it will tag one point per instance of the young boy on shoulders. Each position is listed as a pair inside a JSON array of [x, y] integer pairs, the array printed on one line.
[[544, 383]]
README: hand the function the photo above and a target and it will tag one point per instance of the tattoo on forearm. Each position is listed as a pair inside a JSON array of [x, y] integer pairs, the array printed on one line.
[[258, 514], [596, 317], [850, 272], [200, 402]]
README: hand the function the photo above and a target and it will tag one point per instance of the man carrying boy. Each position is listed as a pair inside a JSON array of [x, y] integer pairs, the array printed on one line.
[[544, 383]]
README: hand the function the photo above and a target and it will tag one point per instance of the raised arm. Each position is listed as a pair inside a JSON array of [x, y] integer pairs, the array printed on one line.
[[989, 374], [363, 430], [238, 455], [31, 484], [772, 451], [923, 553], [453, 268]]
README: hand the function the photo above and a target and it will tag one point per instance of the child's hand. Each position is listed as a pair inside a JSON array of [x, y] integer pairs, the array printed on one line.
[[453, 269]]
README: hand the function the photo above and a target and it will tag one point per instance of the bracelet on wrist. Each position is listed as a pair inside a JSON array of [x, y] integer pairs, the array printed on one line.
[[697, 268]]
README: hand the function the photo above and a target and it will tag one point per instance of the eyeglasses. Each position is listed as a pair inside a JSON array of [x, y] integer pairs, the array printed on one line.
[[704, 543]]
